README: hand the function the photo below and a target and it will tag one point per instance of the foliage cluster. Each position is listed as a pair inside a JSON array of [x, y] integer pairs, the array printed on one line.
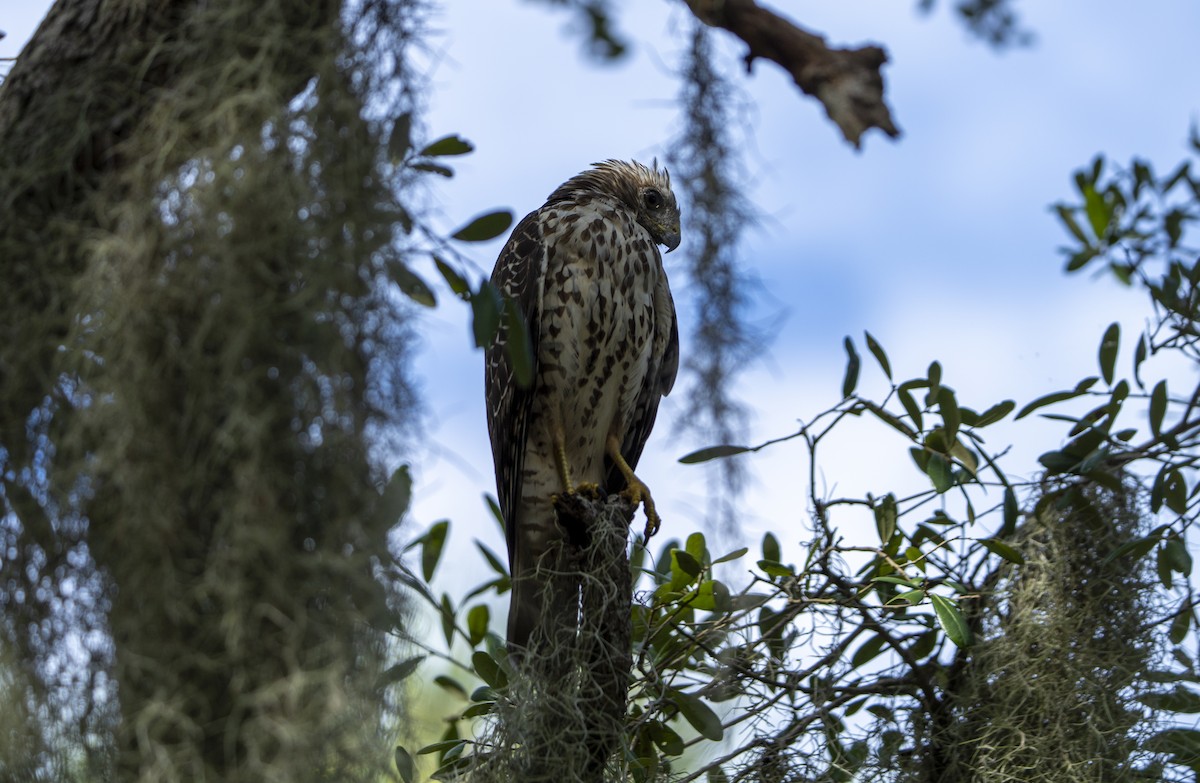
[[995, 629]]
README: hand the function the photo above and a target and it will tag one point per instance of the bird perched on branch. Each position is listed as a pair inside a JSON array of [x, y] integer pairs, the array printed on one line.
[[586, 274]]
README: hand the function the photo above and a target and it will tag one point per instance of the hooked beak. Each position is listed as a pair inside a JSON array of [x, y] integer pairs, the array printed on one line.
[[671, 240]]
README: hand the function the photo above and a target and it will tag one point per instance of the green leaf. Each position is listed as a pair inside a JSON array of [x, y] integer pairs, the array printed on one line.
[[518, 344], [433, 168], [394, 674], [696, 547], [910, 406], [734, 555], [885, 517], [412, 286], [404, 765], [897, 580], [442, 747], [493, 559], [450, 684], [948, 408], [869, 650], [666, 738], [1175, 492], [683, 563], [447, 611], [1158, 407], [951, 620], [1177, 556], [939, 472], [712, 452], [1109, 345], [699, 715], [995, 413], [1010, 511], [889, 419], [486, 306], [1182, 699], [1136, 549], [488, 670], [1183, 744], [447, 145], [776, 569], [1048, 399], [935, 382], [880, 356], [1003, 550], [478, 619], [1139, 356], [485, 227], [431, 548], [852, 366], [1067, 216], [1180, 625], [400, 141], [1099, 211], [457, 283], [397, 496], [770, 548]]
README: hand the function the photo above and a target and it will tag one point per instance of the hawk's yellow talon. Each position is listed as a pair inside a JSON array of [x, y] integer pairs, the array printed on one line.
[[636, 490]]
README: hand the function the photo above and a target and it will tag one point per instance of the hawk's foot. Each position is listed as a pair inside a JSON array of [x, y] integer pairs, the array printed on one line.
[[635, 490]]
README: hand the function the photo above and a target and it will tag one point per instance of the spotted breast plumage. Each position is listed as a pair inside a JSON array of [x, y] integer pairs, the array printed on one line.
[[586, 273]]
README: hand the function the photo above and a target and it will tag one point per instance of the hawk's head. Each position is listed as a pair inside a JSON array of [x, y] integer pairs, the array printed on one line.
[[645, 190]]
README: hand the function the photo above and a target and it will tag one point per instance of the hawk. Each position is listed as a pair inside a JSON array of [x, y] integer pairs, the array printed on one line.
[[585, 272]]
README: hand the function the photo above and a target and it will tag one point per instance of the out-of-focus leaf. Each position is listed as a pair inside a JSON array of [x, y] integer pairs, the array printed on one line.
[[486, 307], [951, 620], [518, 344], [853, 362], [699, 715], [1182, 699], [885, 517], [871, 648], [457, 284], [712, 452], [1048, 399], [1109, 345], [400, 142], [1099, 211], [770, 547], [1139, 356], [450, 684], [1136, 549], [396, 673], [485, 227], [887, 418], [1067, 216], [1010, 511], [734, 555], [447, 145], [1183, 744], [1177, 556], [478, 619], [880, 356], [432, 546], [404, 764], [397, 496], [995, 413], [447, 611], [1003, 550], [938, 470], [910, 406], [1158, 406], [666, 738], [1180, 625], [488, 670], [948, 408], [433, 168], [1175, 492], [412, 285]]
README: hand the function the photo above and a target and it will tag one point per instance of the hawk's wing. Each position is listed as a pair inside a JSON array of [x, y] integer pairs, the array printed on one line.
[[519, 275], [659, 381]]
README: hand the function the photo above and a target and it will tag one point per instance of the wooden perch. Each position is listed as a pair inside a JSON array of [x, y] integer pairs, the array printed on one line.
[[848, 82]]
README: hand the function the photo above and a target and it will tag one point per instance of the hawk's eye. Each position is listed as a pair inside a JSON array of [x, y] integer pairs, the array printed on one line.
[[653, 199]]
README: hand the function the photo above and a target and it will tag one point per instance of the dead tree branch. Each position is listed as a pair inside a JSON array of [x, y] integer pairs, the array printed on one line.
[[848, 82]]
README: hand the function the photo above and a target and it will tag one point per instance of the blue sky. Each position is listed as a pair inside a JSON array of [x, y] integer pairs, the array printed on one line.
[[940, 244]]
